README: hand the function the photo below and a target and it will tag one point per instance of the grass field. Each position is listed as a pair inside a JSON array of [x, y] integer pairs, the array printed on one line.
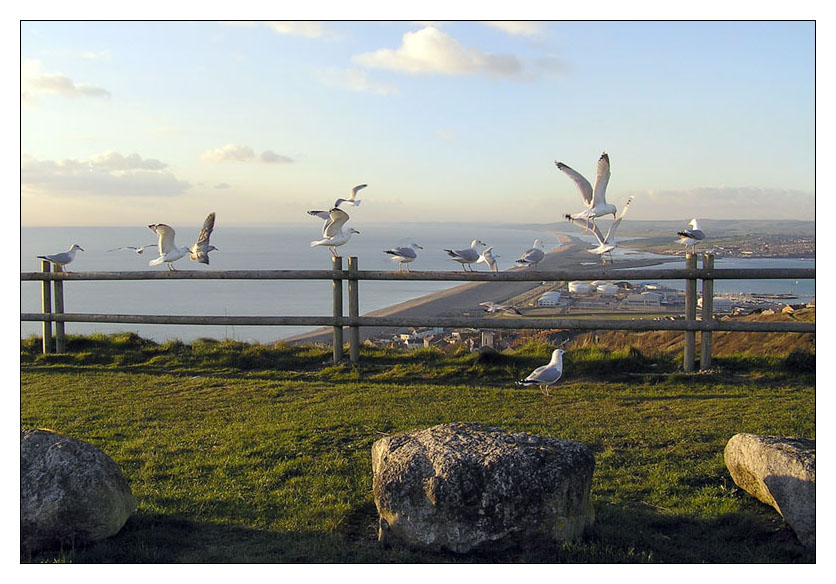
[[257, 453]]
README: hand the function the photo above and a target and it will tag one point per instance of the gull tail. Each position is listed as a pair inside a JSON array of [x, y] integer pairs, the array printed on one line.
[[451, 253], [156, 261], [525, 382]]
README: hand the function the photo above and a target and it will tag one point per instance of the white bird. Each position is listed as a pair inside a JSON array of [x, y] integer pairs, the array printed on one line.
[[468, 255], [490, 259], [200, 249], [606, 243], [532, 257], [491, 308], [332, 231], [547, 374], [404, 255], [60, 260], [691, 236], [135, 249], [351, 200], [169, 252], [595, 200]]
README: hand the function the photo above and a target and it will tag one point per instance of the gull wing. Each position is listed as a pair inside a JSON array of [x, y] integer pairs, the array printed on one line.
[[583, 184], [545, 374], [404, 252], [582, 223], [602, 177], [617, 222], [200, 249], [166, 235], [334, 225]]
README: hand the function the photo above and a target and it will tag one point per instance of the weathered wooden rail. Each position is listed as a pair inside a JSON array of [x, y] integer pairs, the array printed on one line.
[[53, 302]]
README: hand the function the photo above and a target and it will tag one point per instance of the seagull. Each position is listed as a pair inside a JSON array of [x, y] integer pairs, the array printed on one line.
[[169, 252], [605, 243], [532, 257], [351, 200], [332, 232], [490, 259], [135, 249], [596, 201], [491, 308], [547, 374], [466, 256], [200, 250], [404, 255], [60, 260], [691, 236]]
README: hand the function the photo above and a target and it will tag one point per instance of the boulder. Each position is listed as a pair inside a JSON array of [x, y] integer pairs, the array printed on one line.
[[463, 487], [780, 472], [70, 492]]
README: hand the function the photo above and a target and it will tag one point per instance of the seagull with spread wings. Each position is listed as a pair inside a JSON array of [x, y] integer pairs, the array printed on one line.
[[333, 234], [169, 252], [200, 249], [595, 199], [606, 243], [352, 199]]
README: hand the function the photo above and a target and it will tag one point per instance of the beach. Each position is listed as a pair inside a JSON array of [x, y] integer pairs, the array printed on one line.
[[572, 253]]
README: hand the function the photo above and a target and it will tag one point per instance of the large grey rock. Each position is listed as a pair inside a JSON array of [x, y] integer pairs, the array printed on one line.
[[780, 472], [467, 486], [70, 491]]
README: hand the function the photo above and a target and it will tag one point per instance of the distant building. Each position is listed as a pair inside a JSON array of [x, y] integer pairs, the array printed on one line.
[[581, 288], [549, 299], [607, 288], [720, 304], [641, 300]]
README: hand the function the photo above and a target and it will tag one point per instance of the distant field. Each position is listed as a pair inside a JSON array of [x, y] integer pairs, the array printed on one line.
[[256, 453]]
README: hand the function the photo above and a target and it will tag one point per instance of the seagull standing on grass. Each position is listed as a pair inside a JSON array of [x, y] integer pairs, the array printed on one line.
[[332, 231], [200, 249], [606, 243], [691, 236], [595, 200], [60, 260], [404, 255], [468, 255], [547, 374], [533, 256], [351, 200]]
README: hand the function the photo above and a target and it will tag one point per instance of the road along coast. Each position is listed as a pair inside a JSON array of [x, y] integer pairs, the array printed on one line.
[[572, 253]]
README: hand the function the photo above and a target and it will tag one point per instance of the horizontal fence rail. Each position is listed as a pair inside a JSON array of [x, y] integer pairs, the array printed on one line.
[[690, 325]]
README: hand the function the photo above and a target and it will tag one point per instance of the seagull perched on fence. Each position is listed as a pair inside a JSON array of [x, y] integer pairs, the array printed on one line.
[[60, 260], [606, 243], [169, 252], [468, 255], [404, 255], [595, 200], [200, 249], [332, 232], [691, 236], [135, 249], [532, 257], [351, 200], [490, 259], [547, 374]]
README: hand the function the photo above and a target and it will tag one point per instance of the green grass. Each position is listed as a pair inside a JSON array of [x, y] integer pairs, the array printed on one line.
[[256, 453]]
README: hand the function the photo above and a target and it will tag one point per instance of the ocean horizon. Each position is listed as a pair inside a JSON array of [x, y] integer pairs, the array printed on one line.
[[286, 247]]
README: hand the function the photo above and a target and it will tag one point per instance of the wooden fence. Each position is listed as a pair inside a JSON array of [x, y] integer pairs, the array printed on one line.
[[53, 302]]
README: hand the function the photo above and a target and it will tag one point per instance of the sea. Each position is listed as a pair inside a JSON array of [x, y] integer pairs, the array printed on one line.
[[287, 247]]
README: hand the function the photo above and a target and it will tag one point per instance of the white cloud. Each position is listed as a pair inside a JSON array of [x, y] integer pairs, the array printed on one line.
[[271, 157], [109, 174], [97, 56], [357, 80], [34, 81], [431, 51], [517, 27], [229, 153], [304, 28]]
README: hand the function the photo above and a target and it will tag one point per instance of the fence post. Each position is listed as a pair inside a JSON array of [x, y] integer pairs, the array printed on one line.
[[690, 314], [46, 307], [707, 311], [353, 311], [58, 293], [337, 266]]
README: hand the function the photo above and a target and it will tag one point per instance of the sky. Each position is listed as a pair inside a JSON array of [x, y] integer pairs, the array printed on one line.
[[138, 122]]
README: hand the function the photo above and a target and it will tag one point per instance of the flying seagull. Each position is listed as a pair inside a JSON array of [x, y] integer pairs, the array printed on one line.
[[492, 307], [200, 249], [135, 249], [532, 257], [404, 255], [595, 200], [332, 231], [547, 374], [60, 260], [468, 255], [606, 243], [351, 200], [169, 252], [490, 259], [691, 236]]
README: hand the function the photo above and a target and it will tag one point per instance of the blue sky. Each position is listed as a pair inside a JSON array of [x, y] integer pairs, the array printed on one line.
[[128, 123]]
